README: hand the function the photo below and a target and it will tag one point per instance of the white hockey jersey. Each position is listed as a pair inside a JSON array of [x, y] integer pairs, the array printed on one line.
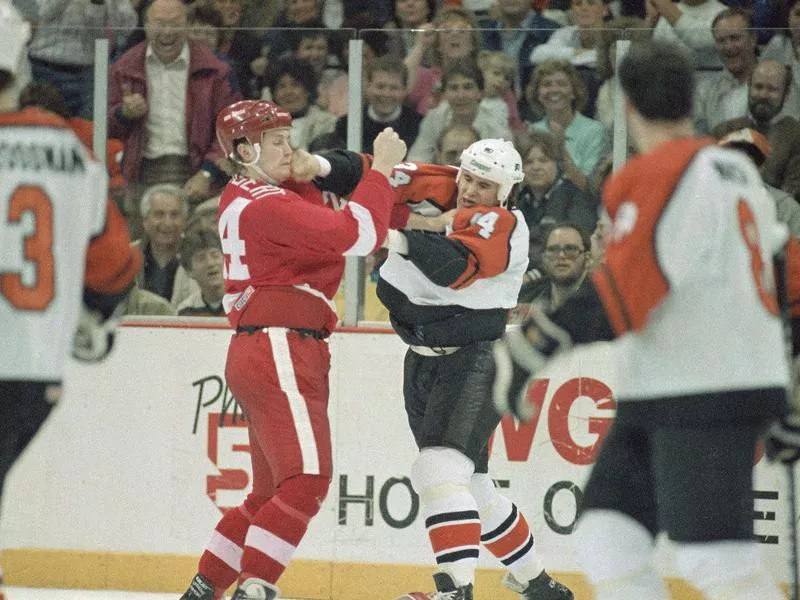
[[52, 202], [688, 282], [497, 241]]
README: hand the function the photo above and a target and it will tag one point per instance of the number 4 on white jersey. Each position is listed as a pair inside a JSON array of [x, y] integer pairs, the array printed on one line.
[[486, 222]]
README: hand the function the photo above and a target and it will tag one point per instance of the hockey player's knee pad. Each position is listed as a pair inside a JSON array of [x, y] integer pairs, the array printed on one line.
[[612, 545], [440, 467], [482, 489], [724, 569], [253, 503], [304, 493]]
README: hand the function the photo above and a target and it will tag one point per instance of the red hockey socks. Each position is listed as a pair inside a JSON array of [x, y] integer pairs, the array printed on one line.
[[280, 525], [221, 561]]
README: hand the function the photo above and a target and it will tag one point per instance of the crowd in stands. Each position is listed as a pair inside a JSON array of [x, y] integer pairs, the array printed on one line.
[[443, 73]]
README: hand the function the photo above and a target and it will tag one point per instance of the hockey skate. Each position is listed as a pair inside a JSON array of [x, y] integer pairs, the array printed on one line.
[[543, 587], [446, 588], [255, 589], [200, 589]]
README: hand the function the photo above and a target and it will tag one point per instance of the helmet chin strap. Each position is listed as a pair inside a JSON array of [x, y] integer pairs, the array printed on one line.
[[253, 164]]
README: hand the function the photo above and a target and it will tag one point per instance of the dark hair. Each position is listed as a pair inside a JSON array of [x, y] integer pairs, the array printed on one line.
[[618, 28], [301, 71], [785, 8], [44, 95], [201, 12], [196, 240], [465, 67], [5, 79], [586, 239], [735, 11], [387, 64], [551, 146], [658, 80], [366, 27], [324, 142], [309, 29], [432, 6]]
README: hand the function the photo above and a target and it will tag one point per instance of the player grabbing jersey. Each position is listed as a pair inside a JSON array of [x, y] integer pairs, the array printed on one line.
[[448, 296], [688, 294], [284, 252], [65, 255]]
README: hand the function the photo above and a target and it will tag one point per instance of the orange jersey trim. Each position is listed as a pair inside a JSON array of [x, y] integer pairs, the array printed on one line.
[[33, 116], [631, 282], [111, 261], [793, 276]]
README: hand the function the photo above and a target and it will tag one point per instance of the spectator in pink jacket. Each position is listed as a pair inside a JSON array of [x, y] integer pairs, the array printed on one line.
[[164, 97]]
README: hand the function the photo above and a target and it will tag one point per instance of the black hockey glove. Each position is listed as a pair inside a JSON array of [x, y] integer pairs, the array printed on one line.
[[518, 357], [782, 441], [94, 336]]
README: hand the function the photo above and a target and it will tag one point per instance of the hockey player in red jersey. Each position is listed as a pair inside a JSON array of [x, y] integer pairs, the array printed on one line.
[[65, 255], [284, 255], [687, 293], [448, 297]]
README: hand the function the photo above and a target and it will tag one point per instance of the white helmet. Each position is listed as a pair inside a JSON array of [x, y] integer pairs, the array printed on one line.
[[495, 160], [14, 34]]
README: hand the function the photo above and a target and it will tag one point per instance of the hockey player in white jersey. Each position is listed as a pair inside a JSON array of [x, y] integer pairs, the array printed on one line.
[[65, 255], [687, 293], [448, 298]]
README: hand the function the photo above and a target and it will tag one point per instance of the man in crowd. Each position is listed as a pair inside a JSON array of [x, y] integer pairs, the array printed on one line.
[[769, 85], [157, 84], [723, 95], [164, 210], [385, 89]]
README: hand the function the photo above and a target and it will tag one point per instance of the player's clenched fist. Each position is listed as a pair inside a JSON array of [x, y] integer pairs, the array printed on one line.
[[388, 150]]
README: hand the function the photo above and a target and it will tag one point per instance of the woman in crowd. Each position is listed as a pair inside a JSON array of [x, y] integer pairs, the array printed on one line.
[[547, 195], [560, 94]]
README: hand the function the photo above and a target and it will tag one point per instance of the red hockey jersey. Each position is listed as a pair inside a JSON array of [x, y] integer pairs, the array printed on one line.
[[284, 248]]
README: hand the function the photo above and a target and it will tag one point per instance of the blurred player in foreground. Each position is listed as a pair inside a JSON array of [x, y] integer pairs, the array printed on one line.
[[688, 293], [65, 255]]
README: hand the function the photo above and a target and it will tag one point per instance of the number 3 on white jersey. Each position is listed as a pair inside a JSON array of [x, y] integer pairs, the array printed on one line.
[[233, 246]]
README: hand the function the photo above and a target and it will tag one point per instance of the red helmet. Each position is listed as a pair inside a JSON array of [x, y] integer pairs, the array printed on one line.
[[248, 119]]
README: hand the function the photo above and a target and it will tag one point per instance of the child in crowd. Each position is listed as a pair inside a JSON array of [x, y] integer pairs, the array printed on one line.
[[498, 76]]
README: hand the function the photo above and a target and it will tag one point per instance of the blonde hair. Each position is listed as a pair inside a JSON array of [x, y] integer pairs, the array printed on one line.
[[494, 59]]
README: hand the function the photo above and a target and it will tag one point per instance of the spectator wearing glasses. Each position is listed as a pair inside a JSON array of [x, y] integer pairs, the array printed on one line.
[[566, 260]]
